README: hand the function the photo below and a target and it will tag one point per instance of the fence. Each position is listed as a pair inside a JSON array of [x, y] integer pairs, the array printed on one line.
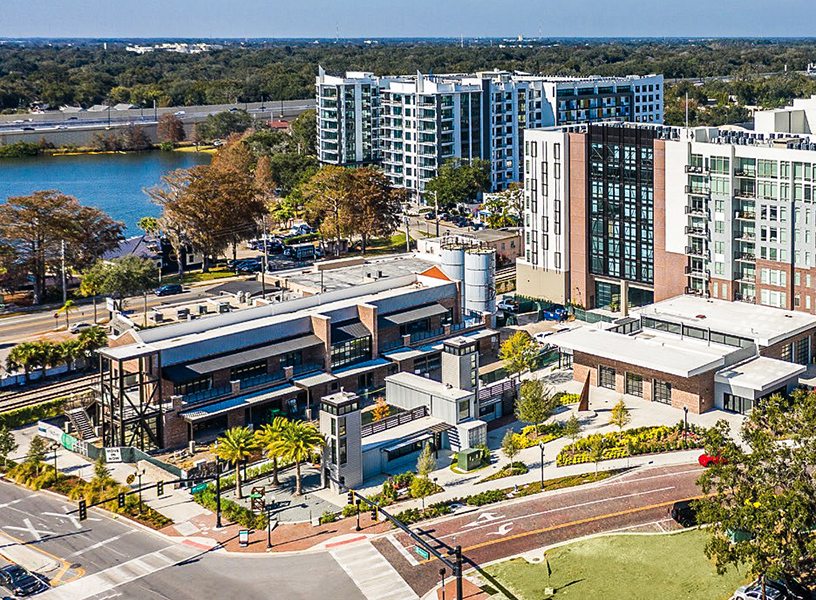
[[589, 317], [396, 420]]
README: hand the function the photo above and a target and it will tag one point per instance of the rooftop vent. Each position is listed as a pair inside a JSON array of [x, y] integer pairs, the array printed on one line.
[[700, 317]]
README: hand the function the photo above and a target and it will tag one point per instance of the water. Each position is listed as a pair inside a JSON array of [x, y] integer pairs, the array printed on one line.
[[111, 182]]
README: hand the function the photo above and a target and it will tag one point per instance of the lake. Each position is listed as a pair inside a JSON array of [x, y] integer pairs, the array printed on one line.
[[111, 182]]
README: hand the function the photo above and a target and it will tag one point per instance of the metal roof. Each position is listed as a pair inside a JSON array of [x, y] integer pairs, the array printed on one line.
[[212, 410], [203, 367], [348, 330], [412, 314]]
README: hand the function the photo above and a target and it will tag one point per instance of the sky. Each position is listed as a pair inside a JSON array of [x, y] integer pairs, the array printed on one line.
[[407, 18]]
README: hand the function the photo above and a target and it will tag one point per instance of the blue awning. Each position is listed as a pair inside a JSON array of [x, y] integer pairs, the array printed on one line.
[[212, 410]]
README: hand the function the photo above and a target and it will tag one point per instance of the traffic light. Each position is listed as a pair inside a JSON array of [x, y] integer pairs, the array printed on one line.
[[121, 500], [83, 510], [351, 497], [374, 512], [160, 488]]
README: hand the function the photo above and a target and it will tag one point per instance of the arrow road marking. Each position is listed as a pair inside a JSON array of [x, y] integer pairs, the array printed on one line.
[[483, 519], [504, 529]]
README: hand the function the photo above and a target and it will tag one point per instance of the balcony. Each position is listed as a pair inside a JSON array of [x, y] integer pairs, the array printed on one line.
[[426, 335], [209, 394], [263, 378], [745, 236], [697, 191], [690, 291], [745, 194], [749, 278], [745, 215], [744, 257], [701, 252], [745, 174], [698, 211], [698, 273], [745, 298], [696, 170], [304, 368], [697, 231]]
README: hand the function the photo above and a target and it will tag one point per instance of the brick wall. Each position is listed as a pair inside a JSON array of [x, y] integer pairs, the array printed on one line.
[[695, 392], [775, 351], [368, 317]]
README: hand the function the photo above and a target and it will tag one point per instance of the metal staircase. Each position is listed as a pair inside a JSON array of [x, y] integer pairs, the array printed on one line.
[[81, 422]]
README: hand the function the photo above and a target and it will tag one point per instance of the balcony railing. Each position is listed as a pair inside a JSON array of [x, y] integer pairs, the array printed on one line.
[[698, 191], [696, 170], [393, 345], [694, 291], [698, 211], [745, 256], [694, 251], [203, 395], [743, 173], [697, 231], [745, 215], [746, 278], [308, 367], [426, 335], [698, 273], [256, 380], [745, 298], [745, 194]]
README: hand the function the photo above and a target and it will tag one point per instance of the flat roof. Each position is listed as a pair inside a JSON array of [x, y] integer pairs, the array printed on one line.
[[763, 324], [211, 410], [411, 430], [761, 374], [354, 275], [429, 386], [666, 353]]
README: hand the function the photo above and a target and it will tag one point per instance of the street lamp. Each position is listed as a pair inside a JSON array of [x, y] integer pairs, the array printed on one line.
[[358, 515], [139, 473], [541, 447], [269, 508], [442, 575], [685, 426], [217, 494], [54, 447]]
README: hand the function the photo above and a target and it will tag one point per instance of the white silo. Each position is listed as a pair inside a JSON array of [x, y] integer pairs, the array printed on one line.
[[453, 263], [480, 280]]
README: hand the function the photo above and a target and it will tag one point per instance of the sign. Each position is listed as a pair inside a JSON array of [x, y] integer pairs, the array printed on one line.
[[110, 304], [113, 455], [48, 431], [422, 552], [243, 538], [198, 488], [130, 478]]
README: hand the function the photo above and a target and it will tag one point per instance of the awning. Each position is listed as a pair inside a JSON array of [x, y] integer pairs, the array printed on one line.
[[408, 442], [313, 379], [219, 408], [361, 368], [178, 373], [411, 315], [348, 330]]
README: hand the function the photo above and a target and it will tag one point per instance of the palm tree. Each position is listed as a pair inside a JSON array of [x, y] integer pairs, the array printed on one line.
[[235, 446], [71, 350], [297, 442], [44, 355], [67, 308], [268, 435], [92, 339], [22, 356]]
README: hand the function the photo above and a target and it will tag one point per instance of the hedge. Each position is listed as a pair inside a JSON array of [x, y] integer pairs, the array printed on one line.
[[20, 417], [299, 239], [231, 510]]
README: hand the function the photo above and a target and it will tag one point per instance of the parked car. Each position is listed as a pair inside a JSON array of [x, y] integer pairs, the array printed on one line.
[[430, 215], [684, 513], [706, 460], [787, 588], [301, 229], [508, 305], [169, 289], [77, 327], [20, 581]]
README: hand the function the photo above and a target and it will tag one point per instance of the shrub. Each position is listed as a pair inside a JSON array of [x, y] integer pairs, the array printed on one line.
[[487, 497], [20, 417], [563, 398], [167, 146], [328, 517], [20, 150], [349, 510], [232, 511], [422, 487], [299, 239]]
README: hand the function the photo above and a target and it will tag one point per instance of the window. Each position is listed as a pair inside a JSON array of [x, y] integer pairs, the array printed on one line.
[[351, 351], [343, 451], [737, 404], [662, 391], [464, 409], [247, 371], [634, 384], [606, 377]]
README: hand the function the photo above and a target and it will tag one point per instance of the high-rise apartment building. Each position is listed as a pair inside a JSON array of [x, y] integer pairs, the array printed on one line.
[[646, 212], [412, 124]]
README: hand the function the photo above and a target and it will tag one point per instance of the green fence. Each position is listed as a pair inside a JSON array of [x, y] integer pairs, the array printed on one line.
[[589, 317]]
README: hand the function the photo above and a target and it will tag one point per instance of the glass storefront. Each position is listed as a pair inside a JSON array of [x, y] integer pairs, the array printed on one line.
[[634, 384], [606, 377]]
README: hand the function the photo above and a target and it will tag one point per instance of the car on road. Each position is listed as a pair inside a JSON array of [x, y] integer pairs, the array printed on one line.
[[179, 113], [20, 581], [77, 327], [169, 289], [28, 129], [775, 589], [684, 513], [706, 460]]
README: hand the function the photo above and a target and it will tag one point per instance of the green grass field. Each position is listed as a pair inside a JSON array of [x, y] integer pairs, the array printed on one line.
[[623, 567]]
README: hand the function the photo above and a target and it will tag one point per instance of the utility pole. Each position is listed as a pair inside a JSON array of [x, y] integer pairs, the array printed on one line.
[[407, 234], [263, 274], [687, 109], [62, 271], [145, 309], [436, 205], [217, 494]]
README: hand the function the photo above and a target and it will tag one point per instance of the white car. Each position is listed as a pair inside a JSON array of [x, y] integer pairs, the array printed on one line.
[[77, 327]]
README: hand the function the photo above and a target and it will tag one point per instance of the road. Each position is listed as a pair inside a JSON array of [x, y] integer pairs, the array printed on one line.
[[106, 558], [638, 500]]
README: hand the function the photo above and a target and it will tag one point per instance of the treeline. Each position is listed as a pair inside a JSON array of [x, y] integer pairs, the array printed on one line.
[[87, 75]]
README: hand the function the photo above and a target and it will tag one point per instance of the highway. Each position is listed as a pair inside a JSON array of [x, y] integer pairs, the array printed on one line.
[[638, 500], [107, 558]]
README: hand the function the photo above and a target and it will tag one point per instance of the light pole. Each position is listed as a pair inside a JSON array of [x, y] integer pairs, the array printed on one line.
[[442, 575], [139, 474], [685, 425], [269, 525], [436, 205], [541, 447], [217, 494], [358, 515], [54, 447]]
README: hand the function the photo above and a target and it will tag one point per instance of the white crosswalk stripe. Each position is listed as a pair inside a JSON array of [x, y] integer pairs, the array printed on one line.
[[104, 581], [374, 575]]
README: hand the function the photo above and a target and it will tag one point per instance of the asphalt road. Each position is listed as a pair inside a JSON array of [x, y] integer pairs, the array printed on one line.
[[638, 500], [106, 558]]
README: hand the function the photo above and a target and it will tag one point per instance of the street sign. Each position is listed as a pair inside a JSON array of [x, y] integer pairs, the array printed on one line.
[[255, 496], [422, 552], [243, 538], [113, 455], [130, 478], [198, 488]]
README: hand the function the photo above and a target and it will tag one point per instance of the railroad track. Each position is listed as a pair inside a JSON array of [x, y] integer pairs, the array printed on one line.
[[60, 389]]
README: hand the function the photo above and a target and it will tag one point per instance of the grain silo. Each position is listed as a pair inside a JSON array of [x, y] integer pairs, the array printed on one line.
[[480, 280]]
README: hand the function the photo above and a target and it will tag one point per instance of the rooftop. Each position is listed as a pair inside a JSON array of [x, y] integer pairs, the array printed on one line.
[[760, 374], [416, 429], [763, 324], [667, 353], [429, 386]]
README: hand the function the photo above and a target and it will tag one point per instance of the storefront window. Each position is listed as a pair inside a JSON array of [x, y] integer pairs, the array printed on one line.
[[662, 391]]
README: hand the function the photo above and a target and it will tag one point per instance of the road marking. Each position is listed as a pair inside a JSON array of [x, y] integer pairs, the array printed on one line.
[[483, 518], [99, 544], [72, 518], [35, 533], [623, 481], [560, 508], [503, 530], [7, 504], [628, 511], [402, 550], [376, 578]]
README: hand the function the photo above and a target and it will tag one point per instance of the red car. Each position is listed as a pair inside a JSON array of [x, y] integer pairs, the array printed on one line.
[[707, 460]]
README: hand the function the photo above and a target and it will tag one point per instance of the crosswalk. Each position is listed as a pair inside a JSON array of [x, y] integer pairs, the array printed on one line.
[[109, 579], [374, 575]]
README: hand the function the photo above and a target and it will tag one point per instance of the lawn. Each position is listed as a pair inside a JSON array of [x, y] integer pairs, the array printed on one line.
[[623, 567]]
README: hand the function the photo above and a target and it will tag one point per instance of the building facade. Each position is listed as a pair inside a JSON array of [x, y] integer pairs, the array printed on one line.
[[412, 124], [644, 213]]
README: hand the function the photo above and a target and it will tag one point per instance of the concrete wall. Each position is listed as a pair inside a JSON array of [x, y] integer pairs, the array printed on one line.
[[540, 283]]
